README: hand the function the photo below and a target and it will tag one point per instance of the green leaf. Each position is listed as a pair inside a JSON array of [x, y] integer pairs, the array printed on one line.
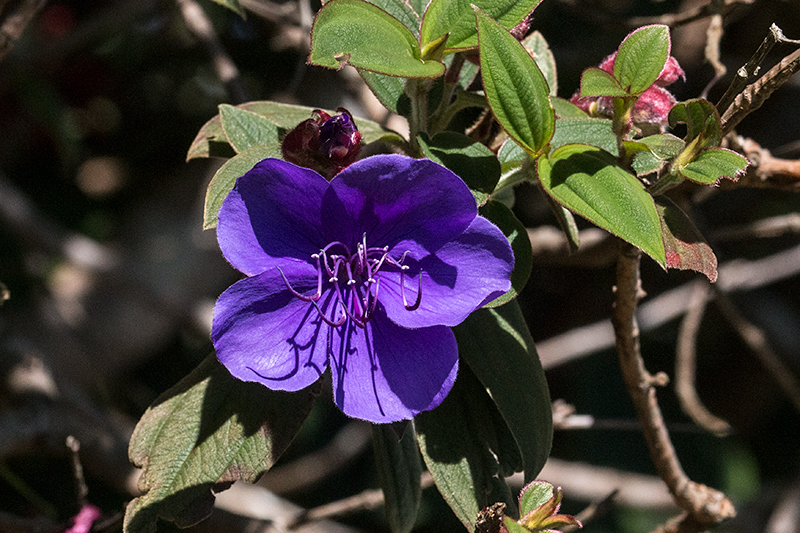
[[686, 249], [225, 178], [399, 471], [592, 131], [418, 6], [536, 44], [517, 236], [515, 88], [211, 140], [461, 442], [456, 18], [713, 164], [663, 145], [498, 347], [245, 129], [533, 495], [402, 11], [701, 119], [590, 183], [358, 33], [234, 6], [511, 152], [566, 109], [203, 434], [598, 82], [470, 160], [660, 148], [389, 90], [641, 58], [512, 526]]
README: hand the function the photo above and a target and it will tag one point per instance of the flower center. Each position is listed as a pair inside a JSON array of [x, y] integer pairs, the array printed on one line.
[[355, 280]]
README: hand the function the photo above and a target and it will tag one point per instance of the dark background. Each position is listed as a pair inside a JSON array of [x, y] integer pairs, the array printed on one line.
[[112, 280]]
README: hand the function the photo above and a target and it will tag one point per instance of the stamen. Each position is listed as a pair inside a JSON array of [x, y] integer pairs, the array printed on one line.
[[356, 281], [329, 321], [413, 307], [312, 298]]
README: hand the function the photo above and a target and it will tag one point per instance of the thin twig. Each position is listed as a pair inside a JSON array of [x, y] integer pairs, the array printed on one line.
[[312, 468], [74, 446], [758, 343], [765, 171], [749, 70], [364, 501], [735, 275], [685, 365], [757, 92], [705, 505], [713, 37], [199, 24]]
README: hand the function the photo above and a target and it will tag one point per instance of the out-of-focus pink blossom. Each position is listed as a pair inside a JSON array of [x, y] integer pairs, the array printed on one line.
[[652, 107], [82, 522]]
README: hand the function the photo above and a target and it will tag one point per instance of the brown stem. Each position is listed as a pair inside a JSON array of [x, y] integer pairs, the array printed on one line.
[[704, 505], [686, 365]]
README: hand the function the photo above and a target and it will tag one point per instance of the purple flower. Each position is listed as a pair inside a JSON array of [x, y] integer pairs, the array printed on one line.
[[364, 275]]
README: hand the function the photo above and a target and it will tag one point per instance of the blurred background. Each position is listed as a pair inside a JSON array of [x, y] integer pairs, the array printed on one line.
[[107, 281]]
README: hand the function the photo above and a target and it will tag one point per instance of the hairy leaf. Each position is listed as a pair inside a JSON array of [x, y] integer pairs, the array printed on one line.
[[211, 140], [515, 87], [461, 442], [686, 249], [456, 18], [402, 11], [592, 131], [641, 58], [713, 164], [245, 129], [470, 160], [203, 434], [590, 183], [225, 178], [536, 44], [598, 82], [360, 34], [497, 346], [399, 471]]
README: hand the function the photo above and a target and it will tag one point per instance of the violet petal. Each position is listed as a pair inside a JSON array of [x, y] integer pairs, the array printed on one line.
[[273, 212], [265, 334], [385, 373], [462, 275], [400, 202]]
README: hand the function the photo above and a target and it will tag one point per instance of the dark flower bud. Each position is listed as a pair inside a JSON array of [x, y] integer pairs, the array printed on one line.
[[323, 143]]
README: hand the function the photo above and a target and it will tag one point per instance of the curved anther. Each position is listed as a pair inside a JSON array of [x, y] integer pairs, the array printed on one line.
[[328, 320], [415, 305], [374, 297], [312, 298], [352, 277]]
